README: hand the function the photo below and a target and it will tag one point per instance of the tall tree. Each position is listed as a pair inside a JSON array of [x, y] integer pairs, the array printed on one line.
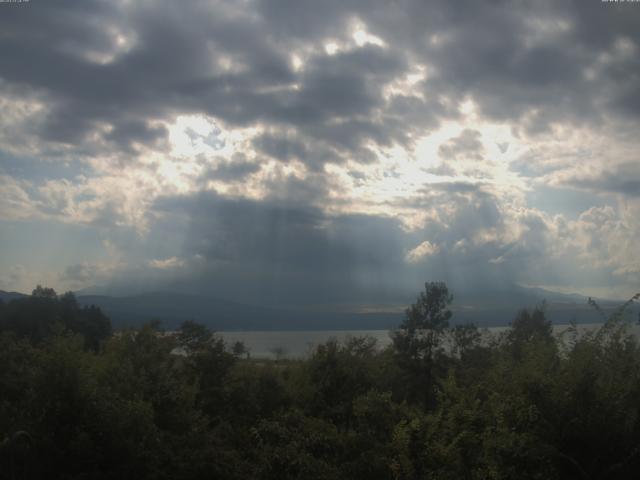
[[419, 338]]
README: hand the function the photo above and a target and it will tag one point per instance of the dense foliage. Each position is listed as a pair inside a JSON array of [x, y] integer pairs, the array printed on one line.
[[444, 403]]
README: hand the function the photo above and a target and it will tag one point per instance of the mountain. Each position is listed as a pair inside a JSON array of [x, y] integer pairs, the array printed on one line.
[[498, 307], [6, 297], [219, 314], [485, 309]]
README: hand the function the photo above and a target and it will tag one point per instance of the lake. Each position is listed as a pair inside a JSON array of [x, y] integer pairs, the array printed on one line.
[[299, 344]]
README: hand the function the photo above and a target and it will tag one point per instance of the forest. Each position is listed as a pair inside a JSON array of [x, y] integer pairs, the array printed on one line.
[[443, 401]]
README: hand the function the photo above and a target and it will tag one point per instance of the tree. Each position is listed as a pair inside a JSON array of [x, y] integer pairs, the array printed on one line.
[[339, 373], [239, 349], [208, 363], [278, 352], [419, 338], [39, 316], [530, 328], [194, 337], [463, 339], [43, 292]]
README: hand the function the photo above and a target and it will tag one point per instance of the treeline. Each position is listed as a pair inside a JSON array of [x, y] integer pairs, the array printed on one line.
[[77, 402]]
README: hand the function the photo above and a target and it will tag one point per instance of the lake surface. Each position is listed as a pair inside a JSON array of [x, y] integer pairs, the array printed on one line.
[[300, 344]]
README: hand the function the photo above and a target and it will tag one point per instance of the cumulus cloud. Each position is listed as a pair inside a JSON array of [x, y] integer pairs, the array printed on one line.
[[425, 249], [468, 145], [293, 146], [143, 63]]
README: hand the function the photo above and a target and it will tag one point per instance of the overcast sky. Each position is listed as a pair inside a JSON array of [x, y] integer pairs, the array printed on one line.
[[320, 151]]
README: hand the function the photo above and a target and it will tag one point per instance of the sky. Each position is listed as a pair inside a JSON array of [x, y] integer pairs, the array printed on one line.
[[320, 152]]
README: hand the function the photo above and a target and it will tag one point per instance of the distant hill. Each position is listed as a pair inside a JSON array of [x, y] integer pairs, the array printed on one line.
[[498, 307], [8, 296], [485, 309], [172, 309]]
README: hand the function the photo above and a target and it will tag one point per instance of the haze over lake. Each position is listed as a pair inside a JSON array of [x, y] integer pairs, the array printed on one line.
[[297, 344]]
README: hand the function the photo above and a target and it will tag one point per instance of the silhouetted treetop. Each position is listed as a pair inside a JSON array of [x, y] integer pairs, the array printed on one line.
[[37, 316], [43, 292]]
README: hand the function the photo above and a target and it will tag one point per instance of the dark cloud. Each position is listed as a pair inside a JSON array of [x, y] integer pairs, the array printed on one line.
[[79, 274], [280, 251], [345, 84], [456, 187], [175, 66], [519, 63], [125, 65], [235, 170], [622, 179], [466, 146], [298, 237], [307, 20], [129, 132], [282, 147]]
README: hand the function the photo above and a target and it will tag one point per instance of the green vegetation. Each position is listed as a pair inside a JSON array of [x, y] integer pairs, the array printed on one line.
[[440, 403]]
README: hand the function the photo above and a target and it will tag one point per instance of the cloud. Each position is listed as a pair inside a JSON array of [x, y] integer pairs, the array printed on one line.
[[14, 198], [234, 170], [14, 276], [425, 249], [123, 67], [294, 146], [79, 274], [466, 146], [166, 263], [621, 179], [278, 251]]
